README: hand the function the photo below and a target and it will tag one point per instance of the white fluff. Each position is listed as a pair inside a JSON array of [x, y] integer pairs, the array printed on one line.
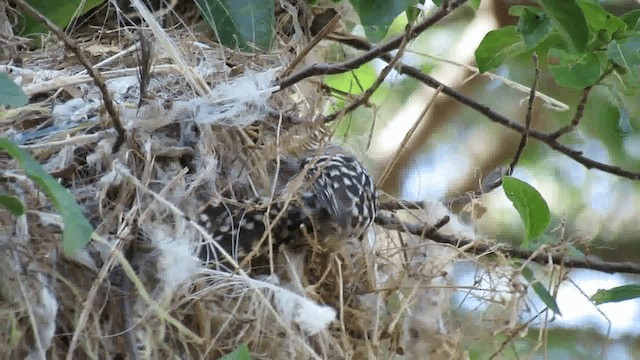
[[176, 264], [309, 316], [312, 318], [240, 102], [44, 313]]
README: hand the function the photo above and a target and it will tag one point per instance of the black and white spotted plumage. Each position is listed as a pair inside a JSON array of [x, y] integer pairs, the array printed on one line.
[[337, 195], [343, 188]]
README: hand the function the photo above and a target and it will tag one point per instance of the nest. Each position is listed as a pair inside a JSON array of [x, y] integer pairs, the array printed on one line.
[[138, 289]]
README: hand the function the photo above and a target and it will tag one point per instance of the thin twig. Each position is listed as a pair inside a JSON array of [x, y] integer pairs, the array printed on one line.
[[374, 52], [97, 77], [485, 110], [543, 257], [366, 95], [487, 188], [312, 44], [527, 121], [576, 117], [580, 108]]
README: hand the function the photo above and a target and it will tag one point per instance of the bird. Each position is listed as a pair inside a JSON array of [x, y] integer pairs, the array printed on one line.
[[330, 194]]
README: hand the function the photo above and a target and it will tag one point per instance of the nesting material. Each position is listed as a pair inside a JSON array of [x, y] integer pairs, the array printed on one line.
[[138, 289]]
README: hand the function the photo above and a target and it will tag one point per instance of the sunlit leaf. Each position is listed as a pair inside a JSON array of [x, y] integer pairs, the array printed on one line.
[[240, 353], [600, 22], [568, 19], [376, 16], [517, 10], [616, 294], [498, 46], [541, 291], [353, 82], [77, 230], [531, 206], [574, 70]]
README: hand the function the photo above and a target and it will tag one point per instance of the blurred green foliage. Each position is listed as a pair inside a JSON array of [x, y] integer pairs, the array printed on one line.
[[241, 24], [586, 41], [60, 12], [77, 230], [10, 93]]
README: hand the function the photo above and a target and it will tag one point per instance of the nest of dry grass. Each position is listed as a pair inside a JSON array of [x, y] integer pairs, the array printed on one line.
[[137, 290]]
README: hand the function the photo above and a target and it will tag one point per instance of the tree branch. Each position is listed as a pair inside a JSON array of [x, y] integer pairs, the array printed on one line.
[[543, 258], [546, 138], [371, 53], [97, 77], [527, 121]]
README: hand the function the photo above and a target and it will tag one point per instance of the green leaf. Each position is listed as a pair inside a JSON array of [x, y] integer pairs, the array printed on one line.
[[574, 71], [412, 13], [517, 10], [540, 290], [242, 24], [601, 22], [498, 46], [10, 93], [60, 12], [12, 203], [240, 353], [568, 19], [627, 55], [353, 82], [616, 294], [77, 230], [534, 26], [531, 206], [376, 16], [632, 19]]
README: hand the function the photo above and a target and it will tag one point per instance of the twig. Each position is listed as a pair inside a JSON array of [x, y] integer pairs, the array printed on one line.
[[145, 63], [548, 101], [527, 121], [73, 80], [91, 296], [321, 35], [372, 53], [514, 333], [543, 257], [485, 110], [576, 117], [579, 109], [437, 226], [366, 95], [464, 199], [97, 77]]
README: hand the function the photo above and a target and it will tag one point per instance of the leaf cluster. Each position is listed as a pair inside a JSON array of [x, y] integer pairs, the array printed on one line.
[[578, 40]]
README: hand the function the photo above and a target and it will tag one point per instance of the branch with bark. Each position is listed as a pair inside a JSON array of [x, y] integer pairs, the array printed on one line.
[[543, 257], [382, 52]]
